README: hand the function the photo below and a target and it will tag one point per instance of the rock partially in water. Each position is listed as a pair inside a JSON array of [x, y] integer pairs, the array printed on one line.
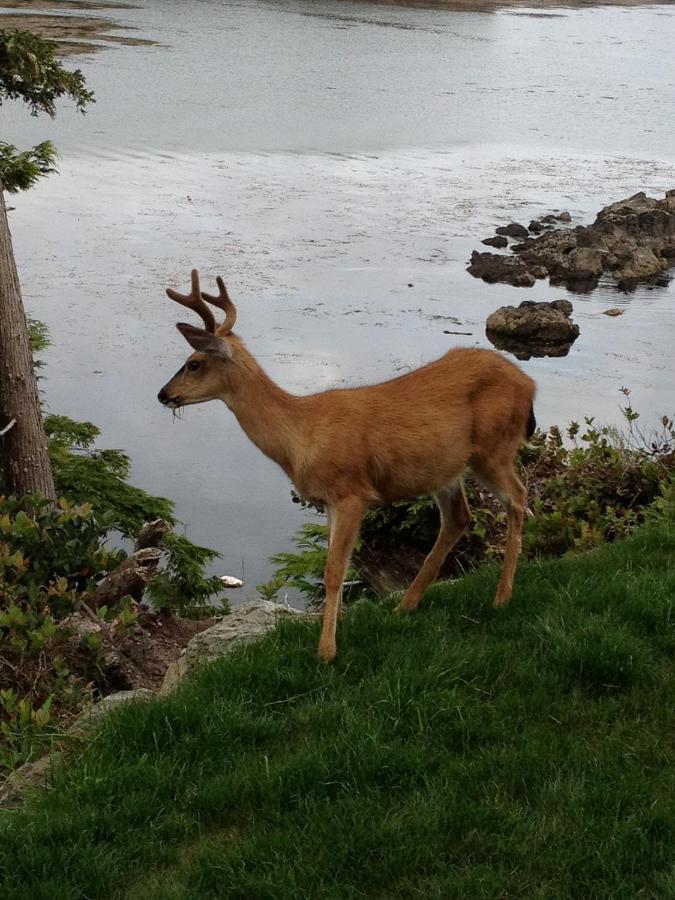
[[533, 329], [633, 240], [513, 229], [552, 218], [498, 241], [493, 267]]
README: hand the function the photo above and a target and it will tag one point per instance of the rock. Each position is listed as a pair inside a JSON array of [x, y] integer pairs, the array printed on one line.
[[585, 264], [37, 774], [638, 203], [493, 267], [498, 241], [29, 776], [231, 581], [94, 713], [633, 239], [642, 265], [513, 230], [614, 311], [82, 623], [245, 624], [552, 218], [564, 306], [533, 329]]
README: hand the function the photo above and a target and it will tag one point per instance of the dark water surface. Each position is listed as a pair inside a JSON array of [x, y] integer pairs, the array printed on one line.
[[323, 156]]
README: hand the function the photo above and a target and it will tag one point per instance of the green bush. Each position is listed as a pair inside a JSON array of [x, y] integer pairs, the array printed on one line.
[[50, 561]]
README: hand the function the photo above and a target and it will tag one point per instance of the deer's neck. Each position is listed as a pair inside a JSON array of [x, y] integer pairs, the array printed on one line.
[[265, 411]]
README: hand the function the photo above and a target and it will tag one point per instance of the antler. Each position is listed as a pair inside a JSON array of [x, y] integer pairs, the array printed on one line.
[[194, 301], [222, 301]]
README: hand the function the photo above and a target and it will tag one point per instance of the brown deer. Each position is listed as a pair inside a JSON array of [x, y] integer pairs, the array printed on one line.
[[352, 448]]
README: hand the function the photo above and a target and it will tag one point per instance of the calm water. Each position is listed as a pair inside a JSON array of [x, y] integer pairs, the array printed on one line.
[[323, 156]]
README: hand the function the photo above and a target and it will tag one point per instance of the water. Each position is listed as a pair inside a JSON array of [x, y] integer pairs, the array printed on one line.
[[323, 156]]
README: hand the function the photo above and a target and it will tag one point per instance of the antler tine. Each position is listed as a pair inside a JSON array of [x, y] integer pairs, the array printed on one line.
[[222, 301], [194, 301]]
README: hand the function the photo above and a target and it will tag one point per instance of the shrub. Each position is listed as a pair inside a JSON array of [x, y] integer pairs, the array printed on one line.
[[49, 563]]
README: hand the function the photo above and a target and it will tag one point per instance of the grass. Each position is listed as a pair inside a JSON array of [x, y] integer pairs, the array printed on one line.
[[464, 752]]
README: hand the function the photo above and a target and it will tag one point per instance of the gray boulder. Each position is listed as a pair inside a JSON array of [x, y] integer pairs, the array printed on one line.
[[245, 624], [37, 774], [514, 230], [633, 240], [493, 267], [533, 329]]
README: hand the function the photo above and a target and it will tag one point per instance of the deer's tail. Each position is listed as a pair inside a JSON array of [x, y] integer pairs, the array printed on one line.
[[531, 424]]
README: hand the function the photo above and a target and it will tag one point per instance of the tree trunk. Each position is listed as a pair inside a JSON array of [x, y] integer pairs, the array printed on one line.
[[23, 449]]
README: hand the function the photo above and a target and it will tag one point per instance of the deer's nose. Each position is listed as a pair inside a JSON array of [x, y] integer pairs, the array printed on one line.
[[162, 396]]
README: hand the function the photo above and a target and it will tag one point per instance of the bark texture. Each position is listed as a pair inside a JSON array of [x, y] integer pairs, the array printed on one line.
[[23, 450]]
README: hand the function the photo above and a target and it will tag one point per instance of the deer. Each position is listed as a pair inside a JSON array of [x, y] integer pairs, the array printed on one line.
[[349, 449]]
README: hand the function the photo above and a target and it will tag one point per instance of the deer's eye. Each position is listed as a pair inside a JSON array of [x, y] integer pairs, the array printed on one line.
[[193, 365]]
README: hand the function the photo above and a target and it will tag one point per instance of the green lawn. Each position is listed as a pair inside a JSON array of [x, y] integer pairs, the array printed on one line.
[[464, 752]]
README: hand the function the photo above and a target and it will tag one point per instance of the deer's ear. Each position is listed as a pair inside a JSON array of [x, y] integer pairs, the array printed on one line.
[[204, 342]]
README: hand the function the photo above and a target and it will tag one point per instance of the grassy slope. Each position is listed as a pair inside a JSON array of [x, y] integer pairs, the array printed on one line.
[[464, 752]]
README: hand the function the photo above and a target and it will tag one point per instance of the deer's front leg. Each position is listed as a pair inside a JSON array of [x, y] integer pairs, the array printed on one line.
[[345, 519]]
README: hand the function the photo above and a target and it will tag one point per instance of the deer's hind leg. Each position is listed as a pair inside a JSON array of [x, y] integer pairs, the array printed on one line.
[[502, 478], [454, 520]]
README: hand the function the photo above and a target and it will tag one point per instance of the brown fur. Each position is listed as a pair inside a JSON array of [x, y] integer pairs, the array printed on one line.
[[357, 447]]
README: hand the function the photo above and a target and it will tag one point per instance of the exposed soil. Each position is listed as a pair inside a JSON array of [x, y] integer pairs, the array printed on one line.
[[74, 35], [145, 655], [64, 4]]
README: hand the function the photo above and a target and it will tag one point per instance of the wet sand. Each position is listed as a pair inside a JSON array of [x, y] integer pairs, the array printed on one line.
[[75, 35]]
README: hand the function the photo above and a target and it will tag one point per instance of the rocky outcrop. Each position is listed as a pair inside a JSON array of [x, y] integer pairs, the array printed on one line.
[[245, 624], [632, 241], [498, 241], [37, 774], [493, 267], [533, 329], [513, 229]]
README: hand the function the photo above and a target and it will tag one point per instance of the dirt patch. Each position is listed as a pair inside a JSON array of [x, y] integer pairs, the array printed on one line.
[[64, 4], [144, 656], [73, 35]]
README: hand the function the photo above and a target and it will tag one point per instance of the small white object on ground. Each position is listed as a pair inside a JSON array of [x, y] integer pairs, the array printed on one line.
[[231, 582]]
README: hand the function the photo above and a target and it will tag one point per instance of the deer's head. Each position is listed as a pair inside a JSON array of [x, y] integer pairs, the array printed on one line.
[[205, 373]]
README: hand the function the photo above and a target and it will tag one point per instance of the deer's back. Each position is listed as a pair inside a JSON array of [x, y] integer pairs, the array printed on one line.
[[416, 433]]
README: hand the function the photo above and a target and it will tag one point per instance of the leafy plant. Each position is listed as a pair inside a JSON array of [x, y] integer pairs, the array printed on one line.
[[182, 585], [303, 571], [86, 474], [49, 562]]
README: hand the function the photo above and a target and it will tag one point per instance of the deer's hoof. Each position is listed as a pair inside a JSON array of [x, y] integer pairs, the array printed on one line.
[[404, 609], [502, 598], [327, 653]]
